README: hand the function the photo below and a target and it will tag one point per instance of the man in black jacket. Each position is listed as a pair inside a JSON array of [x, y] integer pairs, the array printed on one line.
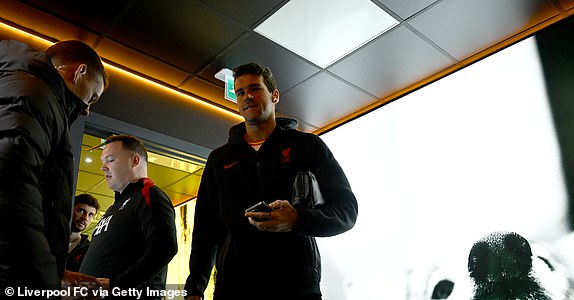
[[85, 208], [135, 240], [41, 93], [265, 255]]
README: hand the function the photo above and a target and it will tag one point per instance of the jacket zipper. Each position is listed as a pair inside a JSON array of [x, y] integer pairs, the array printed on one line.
[[259, 176], [314, 250]]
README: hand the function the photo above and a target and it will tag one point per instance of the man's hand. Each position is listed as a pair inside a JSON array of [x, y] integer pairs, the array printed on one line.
[[74, 278], [282, 219], [105, 282]]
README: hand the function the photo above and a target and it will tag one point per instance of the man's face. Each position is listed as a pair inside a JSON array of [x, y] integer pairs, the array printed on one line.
[[117, 164], [88, 88], [255, 102], [82, 216]]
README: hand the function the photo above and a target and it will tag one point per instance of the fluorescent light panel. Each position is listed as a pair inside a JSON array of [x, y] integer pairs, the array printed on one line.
[[323, 31]]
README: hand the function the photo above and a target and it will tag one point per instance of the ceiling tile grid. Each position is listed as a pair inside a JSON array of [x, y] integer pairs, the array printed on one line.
[[289, 69], [391, 62], [465, 27], [96, 17], [184, 43], [246, 12], [322, 99], [405, 9], [42, 23]]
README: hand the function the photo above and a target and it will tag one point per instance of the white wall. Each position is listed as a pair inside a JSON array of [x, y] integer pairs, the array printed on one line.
[[436, 169]]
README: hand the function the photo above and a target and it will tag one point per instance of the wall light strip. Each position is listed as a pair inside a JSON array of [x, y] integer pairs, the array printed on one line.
[[25, 36], [172, 90], [36, 40]]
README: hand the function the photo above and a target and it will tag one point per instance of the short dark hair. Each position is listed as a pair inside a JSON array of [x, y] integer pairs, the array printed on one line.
[[130, 143], [257, 69], [88, 200], [76, 52]]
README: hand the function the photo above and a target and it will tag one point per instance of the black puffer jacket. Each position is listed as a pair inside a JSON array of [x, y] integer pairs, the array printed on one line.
[[36, 165], [252, 264]]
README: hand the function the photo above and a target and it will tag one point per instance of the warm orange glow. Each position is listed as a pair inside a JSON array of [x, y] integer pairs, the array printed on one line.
[[41, 42], [25, 36], [172, 91]]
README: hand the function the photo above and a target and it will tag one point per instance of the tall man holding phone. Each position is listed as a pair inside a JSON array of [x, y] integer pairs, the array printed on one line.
[[264, 254]]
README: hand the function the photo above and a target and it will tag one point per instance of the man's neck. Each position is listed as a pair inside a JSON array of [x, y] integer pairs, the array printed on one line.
[[260, 131], [74, 236]]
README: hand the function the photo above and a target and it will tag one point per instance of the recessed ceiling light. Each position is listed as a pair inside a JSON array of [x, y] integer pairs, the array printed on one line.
[[324, 31], [88, 160]]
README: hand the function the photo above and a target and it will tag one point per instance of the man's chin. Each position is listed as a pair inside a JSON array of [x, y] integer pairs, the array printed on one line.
[[76, 229]]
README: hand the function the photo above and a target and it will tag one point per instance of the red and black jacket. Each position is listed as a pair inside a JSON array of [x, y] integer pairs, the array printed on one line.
[[135, 239]]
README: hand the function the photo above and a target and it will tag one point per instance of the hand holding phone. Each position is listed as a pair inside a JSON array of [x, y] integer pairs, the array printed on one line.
[[259, 207]]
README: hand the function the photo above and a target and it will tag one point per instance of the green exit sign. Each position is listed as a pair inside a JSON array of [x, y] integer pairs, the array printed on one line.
[[229, 89]]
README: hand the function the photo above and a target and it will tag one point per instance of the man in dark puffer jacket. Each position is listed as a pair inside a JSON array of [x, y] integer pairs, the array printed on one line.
[[41, 94]]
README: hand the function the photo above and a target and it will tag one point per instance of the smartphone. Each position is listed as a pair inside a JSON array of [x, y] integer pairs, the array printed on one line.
[[259, 207]]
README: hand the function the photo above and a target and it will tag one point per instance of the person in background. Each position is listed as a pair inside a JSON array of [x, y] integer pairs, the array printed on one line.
[[41, 94], [85, 208], [135, 240], [264, 255]]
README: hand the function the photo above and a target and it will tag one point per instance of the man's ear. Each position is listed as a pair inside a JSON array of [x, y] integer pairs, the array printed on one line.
[[80, 71], [275, 96], [136, 160]]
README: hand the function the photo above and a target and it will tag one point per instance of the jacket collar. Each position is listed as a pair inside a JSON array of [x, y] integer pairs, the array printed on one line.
[[237, 132], [129, 190]]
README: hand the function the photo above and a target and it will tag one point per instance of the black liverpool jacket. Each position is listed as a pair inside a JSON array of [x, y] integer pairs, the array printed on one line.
[[250, 262], [36, 161]]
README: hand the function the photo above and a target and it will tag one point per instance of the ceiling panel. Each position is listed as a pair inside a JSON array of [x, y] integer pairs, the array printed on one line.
[[94, 164], [140, 62], [184, 33], [178, 198], [87, 180], [465, 27], [42, 23], [258, 9], [288, 68], [99, 15], [188, 185], [567, 4], [391, 62], [164, 176], [319, 28], [405, 9], [101, 188], [326, 102]]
